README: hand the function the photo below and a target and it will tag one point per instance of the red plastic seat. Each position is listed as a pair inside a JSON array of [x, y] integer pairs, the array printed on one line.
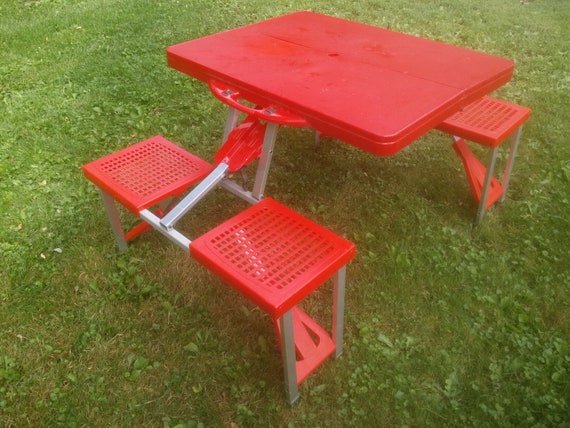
[[487, 122], [143, 175], [275, 258]]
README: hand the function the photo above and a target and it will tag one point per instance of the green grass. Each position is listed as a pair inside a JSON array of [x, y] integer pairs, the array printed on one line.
[[446, 324]]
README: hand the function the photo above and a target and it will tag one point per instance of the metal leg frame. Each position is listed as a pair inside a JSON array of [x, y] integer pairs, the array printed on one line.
[[506, 174], [265, 160], [231, 123], [288, 336], [486, 185], [510, 162], [114, 220], [238, 190], [289, 356], [338, 310]]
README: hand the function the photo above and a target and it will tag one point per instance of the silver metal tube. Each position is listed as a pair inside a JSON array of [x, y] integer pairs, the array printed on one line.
[[238, 190], [289, 356], [175, 236], [510, 162], [265, 160], [231, 122], [114, 219], [486, 185], [194, 196]]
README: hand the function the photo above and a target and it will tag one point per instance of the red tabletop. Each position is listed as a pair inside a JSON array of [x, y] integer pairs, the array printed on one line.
[[374, 88]]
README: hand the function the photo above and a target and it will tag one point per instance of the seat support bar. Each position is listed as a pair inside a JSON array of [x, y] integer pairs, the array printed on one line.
[[172, 234], [194, 196]]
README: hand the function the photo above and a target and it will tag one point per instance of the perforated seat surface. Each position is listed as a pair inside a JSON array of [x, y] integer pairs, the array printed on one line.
[[487, 121], [272, 255], [145, 173]]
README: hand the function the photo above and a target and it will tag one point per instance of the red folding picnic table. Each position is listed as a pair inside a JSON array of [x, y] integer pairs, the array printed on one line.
[[374, 88]]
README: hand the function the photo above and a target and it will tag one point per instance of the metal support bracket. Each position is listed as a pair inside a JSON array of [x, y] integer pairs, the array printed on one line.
[[172, 234], [194, 196], [265, 160]]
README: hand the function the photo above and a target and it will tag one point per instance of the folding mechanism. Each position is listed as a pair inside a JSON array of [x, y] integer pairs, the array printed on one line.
[[254, 138], [242, 147], [487, 122]]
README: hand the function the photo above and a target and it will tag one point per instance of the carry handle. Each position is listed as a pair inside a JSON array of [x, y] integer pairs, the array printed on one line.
[[271, 114]]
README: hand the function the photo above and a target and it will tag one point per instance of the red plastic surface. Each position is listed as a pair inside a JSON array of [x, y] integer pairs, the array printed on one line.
[[272, 255], [487, 121], [145, 173], [374, 88], [476, 174], [313, 345], [273, 114], [243, 145]]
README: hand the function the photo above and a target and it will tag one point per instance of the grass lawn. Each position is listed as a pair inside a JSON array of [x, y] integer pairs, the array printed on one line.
[[446, 324]]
